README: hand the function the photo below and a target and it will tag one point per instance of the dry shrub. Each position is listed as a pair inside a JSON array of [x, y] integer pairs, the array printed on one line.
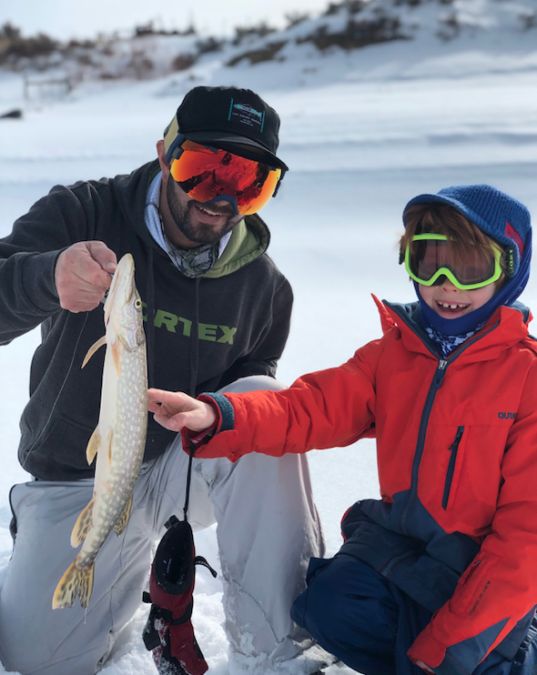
[[208, 45], [352, 7], [262, 29], [358, 34], [183, 61], [267, 53]]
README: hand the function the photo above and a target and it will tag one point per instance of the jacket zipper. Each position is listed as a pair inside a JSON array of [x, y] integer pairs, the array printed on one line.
[[435, 386], [451, 467]]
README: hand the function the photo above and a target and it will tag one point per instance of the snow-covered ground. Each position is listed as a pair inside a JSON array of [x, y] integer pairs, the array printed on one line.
[[361, 140]]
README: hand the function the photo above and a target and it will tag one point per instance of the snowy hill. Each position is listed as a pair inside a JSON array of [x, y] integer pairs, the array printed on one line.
[[473, 35], [443, 101]]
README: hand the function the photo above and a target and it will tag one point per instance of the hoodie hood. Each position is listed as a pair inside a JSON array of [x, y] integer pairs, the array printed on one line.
[[248, 241]]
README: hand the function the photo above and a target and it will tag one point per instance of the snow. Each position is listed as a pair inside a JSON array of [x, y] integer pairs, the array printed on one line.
[[363, 133]]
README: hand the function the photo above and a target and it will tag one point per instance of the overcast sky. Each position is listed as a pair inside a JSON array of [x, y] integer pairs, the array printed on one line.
[[65, 19]]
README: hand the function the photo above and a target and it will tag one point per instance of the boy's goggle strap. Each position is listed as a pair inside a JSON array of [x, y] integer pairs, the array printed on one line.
[[207, 174], [428, 260]]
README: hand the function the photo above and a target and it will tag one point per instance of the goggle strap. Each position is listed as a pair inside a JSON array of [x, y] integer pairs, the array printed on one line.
[[282, 174], [510, 261], [173, 141]]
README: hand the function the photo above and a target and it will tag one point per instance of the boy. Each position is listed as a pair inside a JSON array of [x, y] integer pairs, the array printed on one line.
[[439, 573]]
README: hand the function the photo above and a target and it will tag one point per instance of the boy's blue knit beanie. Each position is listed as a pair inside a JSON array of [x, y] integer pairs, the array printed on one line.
[[499, 216], [503, 219]]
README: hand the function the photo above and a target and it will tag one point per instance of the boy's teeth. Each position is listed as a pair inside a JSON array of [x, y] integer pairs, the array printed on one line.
[[450, 306]]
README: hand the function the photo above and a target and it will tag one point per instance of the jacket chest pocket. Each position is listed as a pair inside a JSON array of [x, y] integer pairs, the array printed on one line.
[[456, 449]]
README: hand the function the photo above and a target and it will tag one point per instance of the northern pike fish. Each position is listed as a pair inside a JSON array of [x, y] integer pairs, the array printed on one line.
[[119, 439]]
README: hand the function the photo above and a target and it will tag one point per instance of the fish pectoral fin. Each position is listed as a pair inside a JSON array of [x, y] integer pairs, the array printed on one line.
[[110, 439], [76, 582], [93, 445], [93, 349], [82, 525], [123, 519], [116, 356]]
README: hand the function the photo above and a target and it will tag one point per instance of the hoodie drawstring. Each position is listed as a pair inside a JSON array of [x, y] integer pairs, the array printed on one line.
[[150, 323], [194, 348]]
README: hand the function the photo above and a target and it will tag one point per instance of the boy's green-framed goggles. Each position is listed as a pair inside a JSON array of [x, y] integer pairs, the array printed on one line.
[[428, 260]]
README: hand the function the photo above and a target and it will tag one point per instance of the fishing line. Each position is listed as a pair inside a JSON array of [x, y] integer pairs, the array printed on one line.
[[193, 377], [188, 481]]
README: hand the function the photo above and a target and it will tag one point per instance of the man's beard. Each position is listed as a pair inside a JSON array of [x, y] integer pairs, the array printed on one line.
[[201, 233]]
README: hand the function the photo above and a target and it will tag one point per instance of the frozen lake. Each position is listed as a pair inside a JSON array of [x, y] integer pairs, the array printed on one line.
[[358, 151]]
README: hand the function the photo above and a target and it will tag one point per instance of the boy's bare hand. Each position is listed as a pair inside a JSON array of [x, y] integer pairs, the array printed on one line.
[[175, 410], [82, 275]]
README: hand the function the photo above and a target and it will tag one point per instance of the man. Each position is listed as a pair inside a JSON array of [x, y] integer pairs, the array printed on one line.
[[217, 311]]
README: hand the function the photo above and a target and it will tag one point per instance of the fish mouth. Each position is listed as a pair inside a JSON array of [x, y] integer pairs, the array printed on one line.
[[122, 286]]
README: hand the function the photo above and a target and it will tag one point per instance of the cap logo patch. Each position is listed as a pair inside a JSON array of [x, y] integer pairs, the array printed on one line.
[[514, 236], [245, 114]]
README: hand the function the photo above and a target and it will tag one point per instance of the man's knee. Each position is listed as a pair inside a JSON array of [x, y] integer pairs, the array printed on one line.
[[253, 383], [36, 658]]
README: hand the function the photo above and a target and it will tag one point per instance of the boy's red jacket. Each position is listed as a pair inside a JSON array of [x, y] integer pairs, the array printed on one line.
[[457, 458]]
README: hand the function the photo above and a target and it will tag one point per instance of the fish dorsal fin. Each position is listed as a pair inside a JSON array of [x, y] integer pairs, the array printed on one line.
[[82, 525], [123, 519], [110, 439], [94, 347], [93, 445]]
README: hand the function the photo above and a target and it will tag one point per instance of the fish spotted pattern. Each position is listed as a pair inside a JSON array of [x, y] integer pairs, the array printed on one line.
[[119, 439]]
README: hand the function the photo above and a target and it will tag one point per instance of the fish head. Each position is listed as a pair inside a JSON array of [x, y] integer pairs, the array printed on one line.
[[123, 310]]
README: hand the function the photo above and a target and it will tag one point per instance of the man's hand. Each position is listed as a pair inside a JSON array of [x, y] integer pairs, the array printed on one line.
[[175, 410], [424, 667], [82, 275]]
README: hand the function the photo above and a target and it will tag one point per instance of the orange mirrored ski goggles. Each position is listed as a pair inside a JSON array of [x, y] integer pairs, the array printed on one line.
[[210, 175]]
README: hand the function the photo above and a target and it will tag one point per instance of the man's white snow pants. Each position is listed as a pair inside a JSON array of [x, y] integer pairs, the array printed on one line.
[[267, 530]]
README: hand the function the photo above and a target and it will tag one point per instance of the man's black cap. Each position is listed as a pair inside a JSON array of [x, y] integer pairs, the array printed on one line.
[[233, 119]]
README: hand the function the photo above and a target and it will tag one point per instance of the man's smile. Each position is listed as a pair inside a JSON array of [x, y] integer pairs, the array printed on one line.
[[210, 213]]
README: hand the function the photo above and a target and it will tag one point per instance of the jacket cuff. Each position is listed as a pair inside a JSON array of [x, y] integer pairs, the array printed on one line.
[[223, 408], [426, 648], [38, 280], [225, 421]]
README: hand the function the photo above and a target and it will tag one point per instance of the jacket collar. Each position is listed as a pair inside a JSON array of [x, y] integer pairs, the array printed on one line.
[[505, 328]]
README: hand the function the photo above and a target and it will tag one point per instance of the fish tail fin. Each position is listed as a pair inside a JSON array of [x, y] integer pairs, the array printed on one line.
[[76, 582]]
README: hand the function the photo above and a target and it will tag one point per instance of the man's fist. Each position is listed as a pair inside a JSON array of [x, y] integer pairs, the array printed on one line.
[[83, 275]]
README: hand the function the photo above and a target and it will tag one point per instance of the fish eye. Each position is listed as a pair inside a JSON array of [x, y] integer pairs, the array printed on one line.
[[138, 304]]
